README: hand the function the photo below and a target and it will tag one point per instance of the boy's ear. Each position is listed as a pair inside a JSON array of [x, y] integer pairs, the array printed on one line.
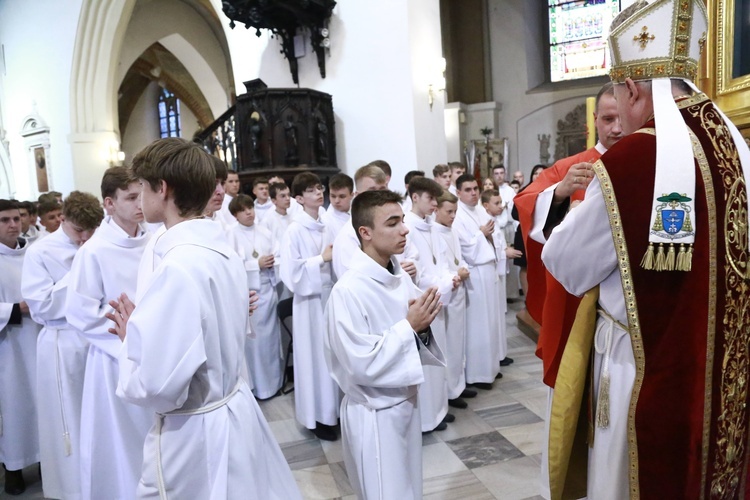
[[365, 233]]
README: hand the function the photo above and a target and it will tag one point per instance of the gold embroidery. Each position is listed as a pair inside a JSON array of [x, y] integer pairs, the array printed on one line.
[[729, 461], [634, 323], [644, 37]]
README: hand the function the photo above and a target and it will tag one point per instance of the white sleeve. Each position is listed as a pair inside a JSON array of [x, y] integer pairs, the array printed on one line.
[[580, 252], [388, 359], [160, 356], [541, 212], [301, 274], [44, 296], [87, 303]]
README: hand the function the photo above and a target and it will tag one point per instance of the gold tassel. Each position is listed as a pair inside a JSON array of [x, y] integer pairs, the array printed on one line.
[[669, 262], [681, 259], [648, 259], [660, 258], [687, 226], [689, 258], [602, 403], [658, 226]]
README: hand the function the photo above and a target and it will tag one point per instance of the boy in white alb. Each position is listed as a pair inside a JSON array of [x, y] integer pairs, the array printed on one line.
[[263, 203], [341, 191], [183, 354], [378, 339], [493, 204], [112, 431], [61, 351], [433, 394], [474, 228], [455, 309], [277, 222], [263, 348], [306, 271], [457, 170], [19, 439], [231, 189]]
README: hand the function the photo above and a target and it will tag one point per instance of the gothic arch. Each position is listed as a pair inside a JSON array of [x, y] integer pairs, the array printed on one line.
[[99, 42]]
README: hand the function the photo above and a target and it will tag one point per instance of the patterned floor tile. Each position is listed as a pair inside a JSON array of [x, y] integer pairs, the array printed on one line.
[[484, 449], [510, 415], [511, 480], [459, 486]]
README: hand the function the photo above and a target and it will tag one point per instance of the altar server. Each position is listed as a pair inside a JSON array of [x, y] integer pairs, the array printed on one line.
[[474, 228], [263, 347], [263, 203], [341, 191], [455, 310], [423, 193], [183, 351], [61, 351], [377, 340], [19, 439], [306, 271], [112, 431]]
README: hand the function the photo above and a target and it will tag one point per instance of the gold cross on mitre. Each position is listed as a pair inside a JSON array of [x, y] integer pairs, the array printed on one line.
[[643, 37]]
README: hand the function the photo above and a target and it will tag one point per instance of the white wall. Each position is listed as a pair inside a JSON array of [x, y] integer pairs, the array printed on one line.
[[374, 73], [38, 37]]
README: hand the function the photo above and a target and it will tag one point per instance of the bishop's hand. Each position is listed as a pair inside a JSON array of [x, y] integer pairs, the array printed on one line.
[[578, 177]]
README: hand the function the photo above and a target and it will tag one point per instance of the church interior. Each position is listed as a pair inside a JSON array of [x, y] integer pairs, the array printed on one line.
[[417, 83]]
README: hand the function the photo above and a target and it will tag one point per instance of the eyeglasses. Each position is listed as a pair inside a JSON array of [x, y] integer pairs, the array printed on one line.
[[312, 190]]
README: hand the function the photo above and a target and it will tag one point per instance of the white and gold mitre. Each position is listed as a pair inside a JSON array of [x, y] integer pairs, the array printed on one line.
[[662, 39]]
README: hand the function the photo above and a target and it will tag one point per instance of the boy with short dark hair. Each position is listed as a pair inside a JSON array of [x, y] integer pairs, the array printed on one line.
[[341, 191], [306, 270], [50, 213], [209, 437], [19, 441], [29, 231], [263, 348], [112, 431], [263, 202], [61, 351], [457, 170], [378, 339], [431, 272], [475, 228]]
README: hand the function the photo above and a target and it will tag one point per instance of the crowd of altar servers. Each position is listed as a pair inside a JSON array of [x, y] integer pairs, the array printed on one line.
[[59, 396]]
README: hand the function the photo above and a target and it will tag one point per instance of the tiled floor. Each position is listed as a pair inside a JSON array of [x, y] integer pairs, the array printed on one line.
[[492, 450]]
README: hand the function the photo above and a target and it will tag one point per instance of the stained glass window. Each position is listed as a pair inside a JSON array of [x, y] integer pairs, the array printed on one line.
[[169, 114], [577, 31]]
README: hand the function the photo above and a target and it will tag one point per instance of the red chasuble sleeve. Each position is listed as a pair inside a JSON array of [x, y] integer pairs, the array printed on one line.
[[547, 301]]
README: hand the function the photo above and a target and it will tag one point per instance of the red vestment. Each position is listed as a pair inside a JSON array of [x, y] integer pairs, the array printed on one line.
[[690, 331], [547, 301]]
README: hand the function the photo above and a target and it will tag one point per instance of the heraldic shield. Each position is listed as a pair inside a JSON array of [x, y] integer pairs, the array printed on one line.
[[673, 217]]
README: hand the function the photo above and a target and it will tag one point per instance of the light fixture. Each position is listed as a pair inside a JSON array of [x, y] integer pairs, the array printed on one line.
[[115, 156], [439, 85]]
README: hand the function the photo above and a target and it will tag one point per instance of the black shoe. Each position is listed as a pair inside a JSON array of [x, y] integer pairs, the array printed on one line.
[[325, 432], [449, 418], [506, 361], [499, 375], [457, 403], [441, 426], [483, 385], [468, 394], [14, 483]]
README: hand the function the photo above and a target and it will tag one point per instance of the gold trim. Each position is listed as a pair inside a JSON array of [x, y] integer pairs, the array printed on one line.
[[634, 322], [729, 94], [730, 457], [676, 64]]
